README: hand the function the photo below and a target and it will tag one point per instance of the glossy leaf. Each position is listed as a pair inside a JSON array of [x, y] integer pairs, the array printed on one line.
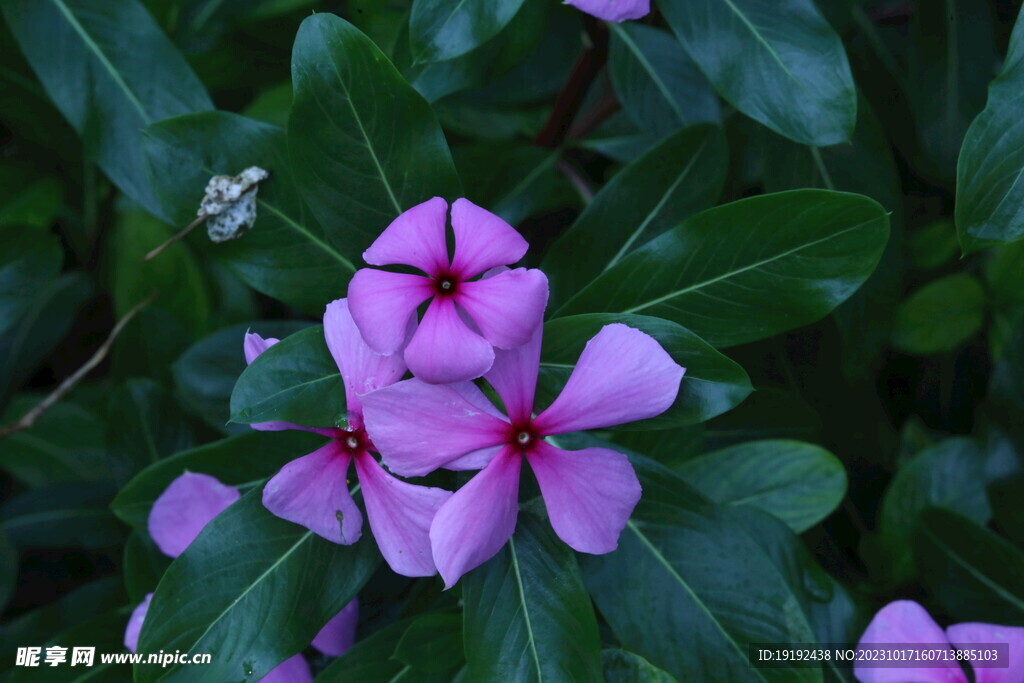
[[67, 443], [364, 145], [779, 63], [749, 269], [621, 666], [61, 516], [108, 77], [293, 381], [370, 659], [432, 644], [444, 29], [144, 425], [29, 259], [683, 174], [940, 316], [526, 613], [799, 483], [712, 385], [252, 590]]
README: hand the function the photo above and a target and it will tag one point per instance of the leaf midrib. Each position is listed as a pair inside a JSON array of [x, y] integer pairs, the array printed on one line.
[[649, 68], [526, 611], [300, 388], [982, 578]]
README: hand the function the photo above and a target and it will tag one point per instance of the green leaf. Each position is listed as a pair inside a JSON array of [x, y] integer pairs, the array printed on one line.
[[749, 269], [940, 316], [689, 572], [61, 516], [8, 568], [432, 644], [67, 443], [444, 29], [799, 483], [252, 590], [1005, 276], [237, 460], [779, 63], [29, 259], [104, 632], [370, 659], [659, 85], [973, 573], [527, 616], [990, 198], [144, 424], [949, 474], [27, 200], [105, 77], [294, 381], [286, 255], [680, 176], [933, 245], [625, 667], [205, 374], [712, 385], [365, 146], [144, 564]]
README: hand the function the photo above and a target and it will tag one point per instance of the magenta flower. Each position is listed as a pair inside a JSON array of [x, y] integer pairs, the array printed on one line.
[[314, 491], [613, 10], [466, 318], [623, 375], [905, 621], [183, 510]]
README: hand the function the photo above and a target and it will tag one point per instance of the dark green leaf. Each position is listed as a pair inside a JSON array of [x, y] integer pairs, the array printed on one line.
[[443, 29], [252, 590], [27, 200], [940, 316], [8, 568], [62, 515], [293, 381], [527, 616], [712, 385], [144, 564], [104, 632], [625, 667], [750, 269], [109, 78], [370, 659], [432, 644], [779, 63], [29, 259], [67, 443], [683, 174], [144, 425], [933, 245], [365, 146]]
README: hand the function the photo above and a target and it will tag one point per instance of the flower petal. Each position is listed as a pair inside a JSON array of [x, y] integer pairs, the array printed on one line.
[[313, 491], [589, 494], [477, 520], [477, 460], [362, 368], [418, 427], [613, 10], [444, 350], [383, 305], [338, 634], [961, 635], [482, 240], [185, 507], [904, 621], [514, 377], [623, 375], [400, 514], [416, 238], [295, 669], [507, 307], [131, 633], [254, 345]]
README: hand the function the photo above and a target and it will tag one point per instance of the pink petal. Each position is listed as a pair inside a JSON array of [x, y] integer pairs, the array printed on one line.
[[415, 238], [362, 368], [477, 460], [482, 240], [623, 375], [313, 491], [131, 633], [589, 494], [904, 621], [400, 514], [477, 520], [292, 670], [338, 634], [514, 377], [961, 635], [185, 507], [471, 392], [383, 306], [507, 307], [444, 350], [419, 427], [254, 345], [613, 10]]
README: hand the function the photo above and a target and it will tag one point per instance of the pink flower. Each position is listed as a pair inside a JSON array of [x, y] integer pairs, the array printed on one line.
[[177, 517], [613, 10], [905, 621], [466, 318], [313, 490], [623, 375]]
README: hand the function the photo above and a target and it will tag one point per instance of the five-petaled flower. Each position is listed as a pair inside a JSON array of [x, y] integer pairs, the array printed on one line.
[[177, 517], [622, 375], [906, 623], [613, 10], [466, 318], [313, 490]]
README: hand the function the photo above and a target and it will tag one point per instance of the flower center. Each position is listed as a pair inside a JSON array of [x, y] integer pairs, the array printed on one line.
[[446, 284], [353, 441], [522, 436]]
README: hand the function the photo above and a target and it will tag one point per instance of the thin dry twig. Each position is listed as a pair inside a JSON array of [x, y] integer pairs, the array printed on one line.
[[184, 231], [29, 418]]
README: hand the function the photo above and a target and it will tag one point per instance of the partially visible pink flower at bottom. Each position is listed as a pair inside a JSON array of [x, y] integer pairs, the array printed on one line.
[[905, 621], [613, 10]]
